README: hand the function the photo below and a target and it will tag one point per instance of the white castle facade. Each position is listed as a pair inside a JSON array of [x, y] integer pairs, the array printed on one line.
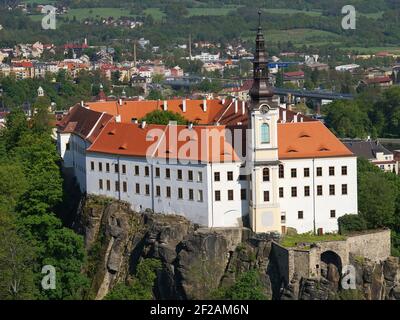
[[288, 172]]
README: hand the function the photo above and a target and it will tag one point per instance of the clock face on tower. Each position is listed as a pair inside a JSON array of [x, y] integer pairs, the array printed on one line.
[[264, 108]]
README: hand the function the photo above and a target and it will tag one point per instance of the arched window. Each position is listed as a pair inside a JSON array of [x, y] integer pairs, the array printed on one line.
[[281, 171], [266, 174], [265, 133]]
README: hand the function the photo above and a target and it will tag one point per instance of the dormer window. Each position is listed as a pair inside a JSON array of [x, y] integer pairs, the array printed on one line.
[[265, 134]]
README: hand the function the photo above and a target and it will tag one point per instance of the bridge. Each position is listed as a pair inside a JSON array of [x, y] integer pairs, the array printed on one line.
[[313, 94]]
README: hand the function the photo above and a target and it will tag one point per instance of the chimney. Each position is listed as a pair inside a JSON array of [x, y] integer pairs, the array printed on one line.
[[184, 105], [82, 104], [236, 105], [223, 101], [190, 126], [134, 120], [165, 106], [205, 105], [284, 116], [143, 124], [118, 118], [120, 101], [243, 107]]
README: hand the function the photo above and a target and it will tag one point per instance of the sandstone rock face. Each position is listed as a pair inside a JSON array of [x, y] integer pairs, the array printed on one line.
[[196, 261]]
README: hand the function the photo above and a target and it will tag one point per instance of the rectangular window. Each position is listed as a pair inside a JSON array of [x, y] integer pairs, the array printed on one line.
[[168, 189], [281, 171], [179, 174], [331, 189], [217, 195], [147, 189], [200, 196], [266, 196], [243, 194], [157, 172], [168, 173], [100, 166], [116, 185], [293, 173], [331, 171], [124, 186], [123, 169], [136, 170], [191, 195], [101, 184], [137, 188], [333, 213], [229, 175], [107, 167], [294, 192], [158, 191], [306, 191], [344, 170], [146, 171], [199, 176], [319, 191], [230, 195], [180, 193], [281, 193], [116, 168], [319, 172], [300, 215], [217, 176], [92, 165], [306, 172], [344, 189], [283, 217], [190, 175], [108, 185]]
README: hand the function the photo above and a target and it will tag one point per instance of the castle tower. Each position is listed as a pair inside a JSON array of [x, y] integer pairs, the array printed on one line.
[[262, 146]]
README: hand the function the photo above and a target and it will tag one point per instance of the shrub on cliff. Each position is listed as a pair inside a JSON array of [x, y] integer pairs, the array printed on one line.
[[351, 222], [141, 287]]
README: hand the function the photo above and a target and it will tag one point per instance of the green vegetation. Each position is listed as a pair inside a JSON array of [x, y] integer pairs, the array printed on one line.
[[247, 287], [290, 241], [141, 286], [31, 235], [373, 113], [164, 117], [351, 222]]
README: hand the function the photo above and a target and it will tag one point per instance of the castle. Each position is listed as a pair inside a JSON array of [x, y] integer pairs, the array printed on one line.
[[234, 160]]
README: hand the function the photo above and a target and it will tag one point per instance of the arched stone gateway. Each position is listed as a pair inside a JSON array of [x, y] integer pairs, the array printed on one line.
[[331, 266]]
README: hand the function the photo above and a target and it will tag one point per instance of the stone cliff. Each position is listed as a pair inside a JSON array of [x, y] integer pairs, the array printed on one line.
[[196, 261]]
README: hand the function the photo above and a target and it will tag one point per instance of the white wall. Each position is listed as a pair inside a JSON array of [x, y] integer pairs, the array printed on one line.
[[226, 213], [195, 210], [319, 206]]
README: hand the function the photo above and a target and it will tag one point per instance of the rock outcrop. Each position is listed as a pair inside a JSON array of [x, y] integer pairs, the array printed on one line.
[[197, 261]]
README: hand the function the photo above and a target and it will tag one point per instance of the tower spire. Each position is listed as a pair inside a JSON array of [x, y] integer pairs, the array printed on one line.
[[260, 91]]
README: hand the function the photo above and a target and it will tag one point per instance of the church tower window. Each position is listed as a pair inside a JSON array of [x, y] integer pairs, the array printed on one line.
[[265, 135]]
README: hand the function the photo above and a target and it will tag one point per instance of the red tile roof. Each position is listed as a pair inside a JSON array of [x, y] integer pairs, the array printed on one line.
[[83, 122], [194, 144], [309, 140], [139, 109]]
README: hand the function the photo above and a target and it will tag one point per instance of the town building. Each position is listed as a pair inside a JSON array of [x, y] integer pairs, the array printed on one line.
[[375, 152], [235, 163]]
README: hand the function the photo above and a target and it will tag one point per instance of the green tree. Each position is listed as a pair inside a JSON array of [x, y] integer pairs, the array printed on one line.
[[16, 265], [155, 95], [141, 287], [247, 287], [164, 117]]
